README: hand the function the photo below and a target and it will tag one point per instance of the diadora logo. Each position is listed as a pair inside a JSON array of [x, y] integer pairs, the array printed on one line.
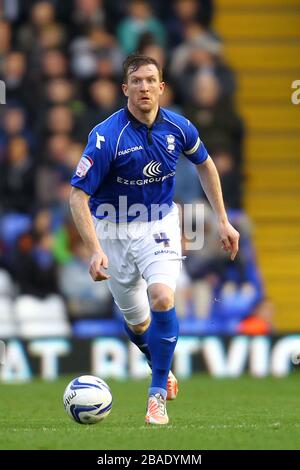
[[152, 169], [170, 340], [131, 149], [170, 142], [100, 138]]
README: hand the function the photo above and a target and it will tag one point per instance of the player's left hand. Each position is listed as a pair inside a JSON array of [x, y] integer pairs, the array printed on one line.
[[229, 238]]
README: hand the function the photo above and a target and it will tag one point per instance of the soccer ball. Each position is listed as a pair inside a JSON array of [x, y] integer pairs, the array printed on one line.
[[87, 399], [296, 357]]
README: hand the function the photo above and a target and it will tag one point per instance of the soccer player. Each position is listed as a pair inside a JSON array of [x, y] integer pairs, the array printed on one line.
[[122, 205]]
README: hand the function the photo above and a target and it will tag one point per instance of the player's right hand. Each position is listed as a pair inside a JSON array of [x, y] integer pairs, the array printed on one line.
[[99, 262]]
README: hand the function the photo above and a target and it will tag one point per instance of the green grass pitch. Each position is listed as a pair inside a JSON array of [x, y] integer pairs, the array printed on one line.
[[243, 413]]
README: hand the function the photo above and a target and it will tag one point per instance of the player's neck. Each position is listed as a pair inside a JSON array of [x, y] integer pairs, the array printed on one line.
[[147, 118]]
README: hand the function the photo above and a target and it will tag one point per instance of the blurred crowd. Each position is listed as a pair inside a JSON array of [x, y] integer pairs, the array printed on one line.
[[61, 62]]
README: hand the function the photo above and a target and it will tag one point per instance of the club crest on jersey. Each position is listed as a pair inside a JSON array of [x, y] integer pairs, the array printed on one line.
[[85, 163], [170, 142]]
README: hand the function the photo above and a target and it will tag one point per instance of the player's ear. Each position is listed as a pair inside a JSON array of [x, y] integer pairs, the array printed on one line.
[[162, 86], [125, 89]]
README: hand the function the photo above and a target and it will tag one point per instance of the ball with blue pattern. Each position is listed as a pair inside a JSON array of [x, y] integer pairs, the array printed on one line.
[[87, 399]]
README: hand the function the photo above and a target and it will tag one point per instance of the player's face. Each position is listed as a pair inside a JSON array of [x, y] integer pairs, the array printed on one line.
[[143, 88]]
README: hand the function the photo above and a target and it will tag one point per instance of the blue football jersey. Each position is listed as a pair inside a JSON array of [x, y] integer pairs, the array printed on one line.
[[128, 169]]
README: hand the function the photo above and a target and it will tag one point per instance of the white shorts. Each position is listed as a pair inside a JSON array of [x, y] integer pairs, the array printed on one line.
[[140, 254]]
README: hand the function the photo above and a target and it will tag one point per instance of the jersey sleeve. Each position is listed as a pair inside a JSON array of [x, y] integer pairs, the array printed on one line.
[[194, 149], [94, 164]]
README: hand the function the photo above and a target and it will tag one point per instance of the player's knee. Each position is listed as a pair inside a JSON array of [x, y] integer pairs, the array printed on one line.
[[162, 300], [141, 327]]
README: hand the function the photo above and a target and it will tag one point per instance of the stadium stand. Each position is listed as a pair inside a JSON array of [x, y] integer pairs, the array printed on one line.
[[265, 56]]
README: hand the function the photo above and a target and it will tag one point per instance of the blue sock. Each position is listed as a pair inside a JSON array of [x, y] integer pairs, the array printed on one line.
[[141, 341], [162, 340]]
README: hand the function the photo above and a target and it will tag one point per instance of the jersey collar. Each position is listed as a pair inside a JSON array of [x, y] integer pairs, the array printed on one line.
[[136, 123]]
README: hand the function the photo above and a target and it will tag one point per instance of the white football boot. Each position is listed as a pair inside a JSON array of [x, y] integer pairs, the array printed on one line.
[[156, 410]]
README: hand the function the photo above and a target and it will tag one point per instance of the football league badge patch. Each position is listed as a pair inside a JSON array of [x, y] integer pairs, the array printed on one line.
[[85, 163]]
